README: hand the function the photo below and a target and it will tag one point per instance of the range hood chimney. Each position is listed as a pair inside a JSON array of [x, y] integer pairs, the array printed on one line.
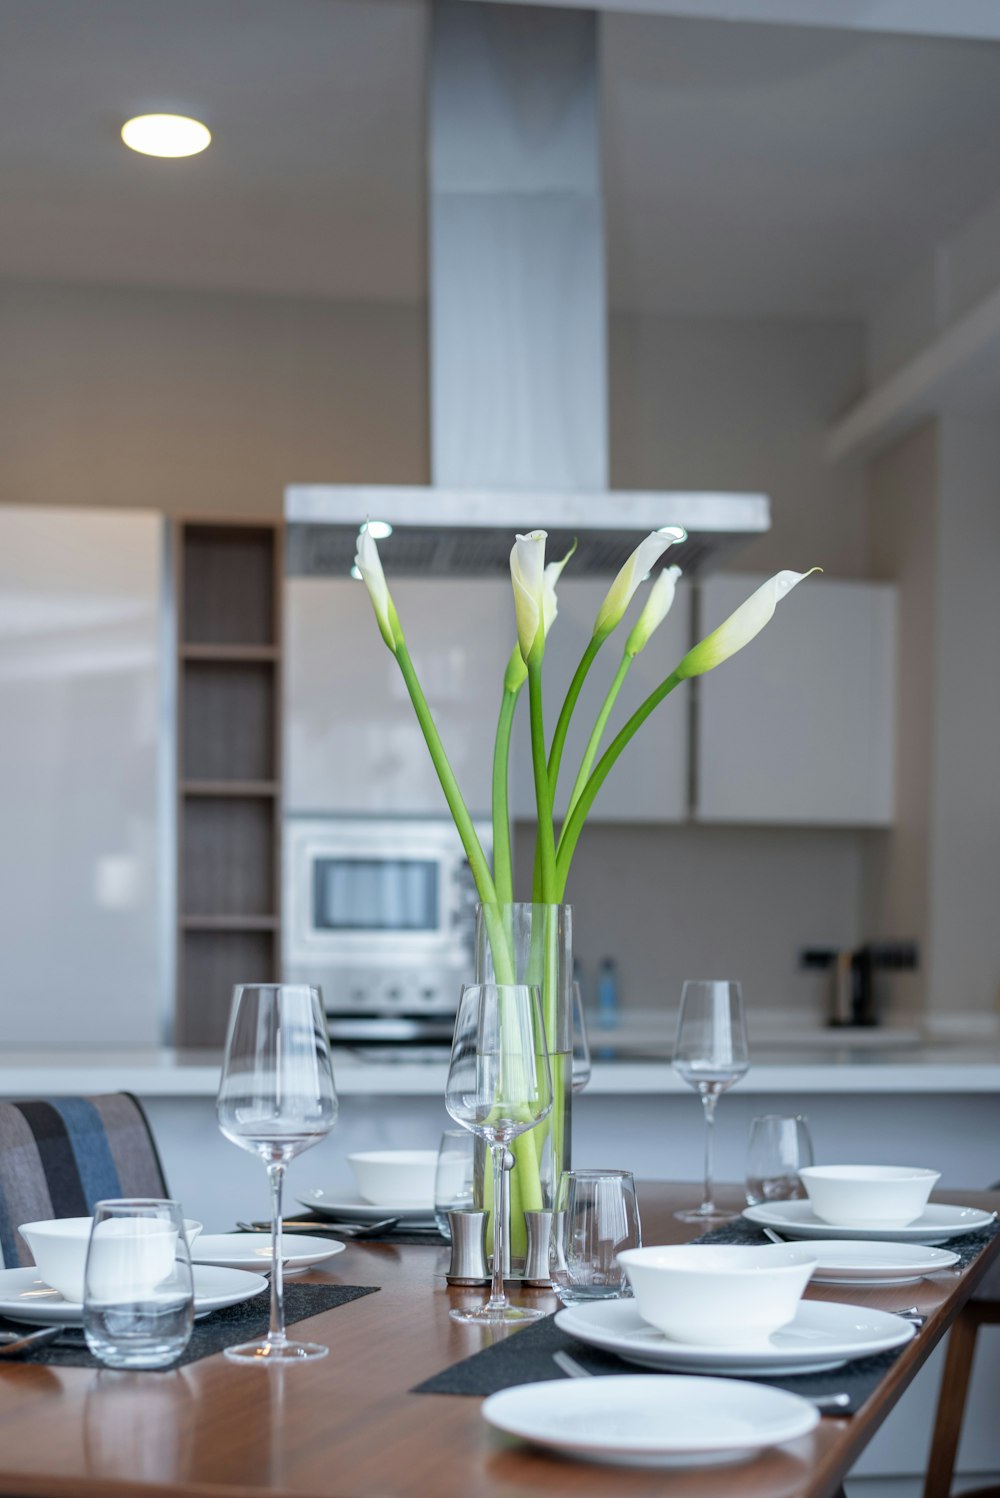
[[518, 325]]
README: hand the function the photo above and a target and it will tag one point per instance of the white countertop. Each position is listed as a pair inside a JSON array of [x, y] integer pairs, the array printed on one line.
[[821, 1069]]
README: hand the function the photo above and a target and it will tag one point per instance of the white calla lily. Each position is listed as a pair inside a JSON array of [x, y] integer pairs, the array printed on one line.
[[517, 672], [369, 564], [622, 590], [654, 610], [527, 573], [741, 627]]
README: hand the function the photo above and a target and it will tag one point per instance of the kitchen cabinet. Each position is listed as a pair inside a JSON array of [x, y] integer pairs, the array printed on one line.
[[650, 781], [352, 741], [799, 729], [83, 767], [353, 744]]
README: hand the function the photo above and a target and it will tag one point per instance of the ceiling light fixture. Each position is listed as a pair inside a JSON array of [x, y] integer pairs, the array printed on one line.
[[165, 135]]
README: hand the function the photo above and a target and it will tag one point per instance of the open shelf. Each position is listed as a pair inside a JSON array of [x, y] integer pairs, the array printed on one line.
[[263, 788], [229, 922], [228, 581]]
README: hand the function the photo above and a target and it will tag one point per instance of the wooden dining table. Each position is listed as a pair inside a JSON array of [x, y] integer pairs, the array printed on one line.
[[350, 1427]]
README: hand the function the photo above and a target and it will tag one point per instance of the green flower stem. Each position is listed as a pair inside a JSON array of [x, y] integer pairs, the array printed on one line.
[[593, 743], [503, 872], [456, 805], [573, 825], [543, 794], [562, 726]]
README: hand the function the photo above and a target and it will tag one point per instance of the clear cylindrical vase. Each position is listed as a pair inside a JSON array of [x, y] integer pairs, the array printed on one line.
[[533, 944]]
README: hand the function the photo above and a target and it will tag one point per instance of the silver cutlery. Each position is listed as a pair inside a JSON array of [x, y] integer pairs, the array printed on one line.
[[12, 1344], [570, 1366], [334, 1229]]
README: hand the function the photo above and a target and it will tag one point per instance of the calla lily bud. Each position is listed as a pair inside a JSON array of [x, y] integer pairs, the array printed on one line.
[[621, 592], [527, 572], [741, 626], [516, 673], [655, 610], [369, 564]]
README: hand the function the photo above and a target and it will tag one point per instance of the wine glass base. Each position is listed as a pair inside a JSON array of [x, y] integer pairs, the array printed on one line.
[[707, 1212], [496, 1316], [277, 1352]]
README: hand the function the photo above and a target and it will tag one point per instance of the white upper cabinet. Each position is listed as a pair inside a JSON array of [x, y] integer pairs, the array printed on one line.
[[799, 727], [649, 782], [352, 740]]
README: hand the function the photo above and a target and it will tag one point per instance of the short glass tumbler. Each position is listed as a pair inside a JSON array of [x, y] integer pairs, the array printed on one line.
[[597, 1217], [779, 1147], [138, 1305], [455, 1177]]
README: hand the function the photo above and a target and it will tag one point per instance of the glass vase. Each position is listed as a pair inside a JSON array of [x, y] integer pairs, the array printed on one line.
[[533, 944]]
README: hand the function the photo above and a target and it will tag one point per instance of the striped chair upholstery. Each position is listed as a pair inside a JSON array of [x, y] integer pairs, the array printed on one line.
[[59, 1156]]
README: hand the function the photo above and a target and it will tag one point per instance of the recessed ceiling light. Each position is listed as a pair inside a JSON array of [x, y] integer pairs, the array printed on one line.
[[165, 135]]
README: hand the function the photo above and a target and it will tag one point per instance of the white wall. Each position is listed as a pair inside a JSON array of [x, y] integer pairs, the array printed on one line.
[[965, 866], [935, 526], [712, 902], [203, 402]]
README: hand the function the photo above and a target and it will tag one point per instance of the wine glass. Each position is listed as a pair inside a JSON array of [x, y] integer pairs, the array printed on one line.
[[276, 1099], [499, 1086], [710, 1053], [581, 1045]]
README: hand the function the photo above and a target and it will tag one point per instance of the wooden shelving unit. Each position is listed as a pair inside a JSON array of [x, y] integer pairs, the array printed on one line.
[[228, 610]]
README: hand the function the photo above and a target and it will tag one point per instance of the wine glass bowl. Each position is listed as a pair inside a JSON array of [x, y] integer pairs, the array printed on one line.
[[710, 1054], [276, 1099], [499, 1086]]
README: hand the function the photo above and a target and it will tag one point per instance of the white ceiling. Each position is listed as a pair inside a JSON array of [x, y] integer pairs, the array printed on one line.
[[750, 169]]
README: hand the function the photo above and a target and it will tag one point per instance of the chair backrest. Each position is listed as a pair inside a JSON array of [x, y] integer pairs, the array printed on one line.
[[58, 1156]]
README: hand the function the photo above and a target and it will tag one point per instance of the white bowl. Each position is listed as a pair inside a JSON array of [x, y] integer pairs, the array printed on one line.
[[396, 1178], [888, 1196], [719, 1294], [59, 1246]]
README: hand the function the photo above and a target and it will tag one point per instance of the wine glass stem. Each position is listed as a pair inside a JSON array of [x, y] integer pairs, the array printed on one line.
[[709, 1100], [498, 1299], [276, 1333]]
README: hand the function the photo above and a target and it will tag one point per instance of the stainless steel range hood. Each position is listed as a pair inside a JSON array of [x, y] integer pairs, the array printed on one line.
[[518, 326]]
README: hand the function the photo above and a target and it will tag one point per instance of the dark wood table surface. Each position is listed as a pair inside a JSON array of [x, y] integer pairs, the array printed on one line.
[[347, 1427]]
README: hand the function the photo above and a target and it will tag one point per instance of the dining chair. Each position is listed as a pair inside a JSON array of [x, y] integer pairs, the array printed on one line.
[[58, 1156], [982, 1310]]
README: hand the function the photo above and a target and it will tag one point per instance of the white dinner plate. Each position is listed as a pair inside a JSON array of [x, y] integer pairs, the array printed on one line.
[[359, 1211], [253, 1250], [638, 1421], [853, 1261], [24, 1296], [823, 1335], [936, 1224]]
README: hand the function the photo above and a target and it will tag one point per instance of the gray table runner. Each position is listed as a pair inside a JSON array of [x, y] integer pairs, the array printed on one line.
[[525, 1356], [225, 1328]]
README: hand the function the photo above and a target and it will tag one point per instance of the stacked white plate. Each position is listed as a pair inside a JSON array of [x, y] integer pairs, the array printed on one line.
[[936, 1224], [24, 1296], [822, 1335]]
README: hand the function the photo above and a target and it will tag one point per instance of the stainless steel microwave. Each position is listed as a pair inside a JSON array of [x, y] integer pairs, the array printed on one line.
[[379, 913]]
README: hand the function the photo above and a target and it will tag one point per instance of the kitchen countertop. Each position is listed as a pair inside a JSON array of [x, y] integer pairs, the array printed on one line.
[[821, 1068]]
